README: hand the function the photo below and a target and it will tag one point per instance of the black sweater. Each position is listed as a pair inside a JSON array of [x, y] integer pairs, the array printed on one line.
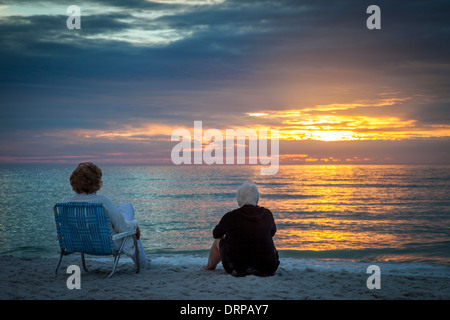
[[248, 239]]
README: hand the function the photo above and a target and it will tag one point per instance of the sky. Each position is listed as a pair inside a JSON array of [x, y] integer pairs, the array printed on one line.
[[113, 91]]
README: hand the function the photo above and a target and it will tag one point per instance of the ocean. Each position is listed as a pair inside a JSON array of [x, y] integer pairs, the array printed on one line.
[[328, 216]]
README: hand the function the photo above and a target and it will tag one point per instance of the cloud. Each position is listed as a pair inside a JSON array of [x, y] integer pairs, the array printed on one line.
[[169, 63], [409, 151]]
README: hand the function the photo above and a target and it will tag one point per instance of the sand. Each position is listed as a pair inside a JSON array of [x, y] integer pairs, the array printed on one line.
[[33, 279]]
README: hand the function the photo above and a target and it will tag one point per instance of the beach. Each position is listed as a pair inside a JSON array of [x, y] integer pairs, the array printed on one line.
[[332, 224], [25, 278]]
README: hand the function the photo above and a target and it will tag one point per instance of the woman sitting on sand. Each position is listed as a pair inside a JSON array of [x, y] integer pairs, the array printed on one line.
[[86, 180], [243, 238]]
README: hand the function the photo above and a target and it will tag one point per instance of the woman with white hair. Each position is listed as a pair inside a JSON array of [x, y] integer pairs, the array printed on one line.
[[243, 238]]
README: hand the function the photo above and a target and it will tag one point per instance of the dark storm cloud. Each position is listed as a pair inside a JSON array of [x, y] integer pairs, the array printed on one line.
[[236, 33]]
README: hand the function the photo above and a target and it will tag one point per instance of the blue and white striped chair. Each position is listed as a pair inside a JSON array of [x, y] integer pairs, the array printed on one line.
[[86, 228]]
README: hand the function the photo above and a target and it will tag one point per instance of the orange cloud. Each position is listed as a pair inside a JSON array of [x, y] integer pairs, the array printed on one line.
[[329, 123]]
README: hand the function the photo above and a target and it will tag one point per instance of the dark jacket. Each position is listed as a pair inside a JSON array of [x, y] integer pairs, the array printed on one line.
[[248, 247]]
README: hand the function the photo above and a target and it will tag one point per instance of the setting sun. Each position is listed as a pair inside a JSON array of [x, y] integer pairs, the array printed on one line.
[[333, 135]]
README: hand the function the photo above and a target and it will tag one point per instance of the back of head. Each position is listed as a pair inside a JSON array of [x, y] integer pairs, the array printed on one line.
[[86, 178], [247, 194]]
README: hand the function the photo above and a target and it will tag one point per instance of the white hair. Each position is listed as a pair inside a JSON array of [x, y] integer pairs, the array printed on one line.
[[247, 194]]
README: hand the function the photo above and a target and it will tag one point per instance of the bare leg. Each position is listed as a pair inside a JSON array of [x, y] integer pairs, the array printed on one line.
[[214, 256]]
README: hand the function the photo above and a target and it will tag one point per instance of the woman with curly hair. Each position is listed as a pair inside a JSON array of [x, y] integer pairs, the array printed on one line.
[[86, 180]]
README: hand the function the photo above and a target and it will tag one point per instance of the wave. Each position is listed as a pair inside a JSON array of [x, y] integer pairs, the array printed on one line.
[[197, 259], [226, 195], [386, 268], [372, 185], [352, 261], [409, 255]]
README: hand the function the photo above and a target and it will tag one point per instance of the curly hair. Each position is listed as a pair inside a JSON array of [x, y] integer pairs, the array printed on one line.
[[86, 178]]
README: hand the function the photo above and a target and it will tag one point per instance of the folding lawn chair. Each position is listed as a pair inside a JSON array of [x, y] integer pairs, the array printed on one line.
[[86, 228]]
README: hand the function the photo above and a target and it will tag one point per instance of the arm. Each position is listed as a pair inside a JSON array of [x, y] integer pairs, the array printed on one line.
[[117, 220], [274, 229], [221, 229], [274, 226]]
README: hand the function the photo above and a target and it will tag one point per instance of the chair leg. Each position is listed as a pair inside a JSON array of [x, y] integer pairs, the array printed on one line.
[[116, 259], [116, 262], [83, 262], [59, 261], [136, 250]]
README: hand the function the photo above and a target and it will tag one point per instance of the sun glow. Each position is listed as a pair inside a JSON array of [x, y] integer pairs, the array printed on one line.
[[345, 122], [333, 135]]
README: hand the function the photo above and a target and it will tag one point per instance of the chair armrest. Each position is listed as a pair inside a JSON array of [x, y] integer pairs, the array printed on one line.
[[123, 234]]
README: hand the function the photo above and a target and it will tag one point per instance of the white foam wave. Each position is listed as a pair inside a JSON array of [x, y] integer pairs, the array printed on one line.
[[302, 265]]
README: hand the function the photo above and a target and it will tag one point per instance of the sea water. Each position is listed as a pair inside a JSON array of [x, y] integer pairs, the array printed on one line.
[[332, 217]]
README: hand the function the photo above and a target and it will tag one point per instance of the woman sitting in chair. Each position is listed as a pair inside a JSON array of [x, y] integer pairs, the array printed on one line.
[[243, 238], [86, 180]]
